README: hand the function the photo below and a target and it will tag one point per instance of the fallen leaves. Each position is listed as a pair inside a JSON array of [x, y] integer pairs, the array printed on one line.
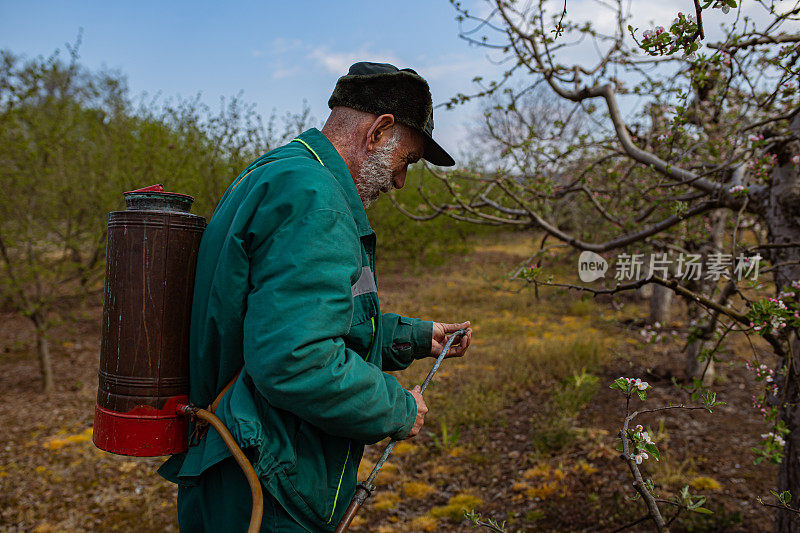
[[705, 483], [405, 448], [385, 500], [454, 510], [424, 523], [417, 489], [57, 443]]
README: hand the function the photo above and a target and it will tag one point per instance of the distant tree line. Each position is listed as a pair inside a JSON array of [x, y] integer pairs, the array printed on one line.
[[72, 141]]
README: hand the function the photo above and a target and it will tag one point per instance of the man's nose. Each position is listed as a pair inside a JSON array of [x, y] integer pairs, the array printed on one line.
[[400, 179]]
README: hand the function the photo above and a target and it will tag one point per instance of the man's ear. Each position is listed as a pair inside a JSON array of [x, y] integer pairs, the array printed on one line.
[[379, 131]]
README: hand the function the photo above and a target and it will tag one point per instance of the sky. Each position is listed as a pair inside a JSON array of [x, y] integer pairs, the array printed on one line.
[[279, 54]]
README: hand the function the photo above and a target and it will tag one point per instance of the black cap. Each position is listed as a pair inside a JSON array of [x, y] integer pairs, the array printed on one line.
[[381, 88]]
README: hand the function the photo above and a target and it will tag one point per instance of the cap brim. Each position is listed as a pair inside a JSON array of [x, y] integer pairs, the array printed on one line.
[[435, 154]]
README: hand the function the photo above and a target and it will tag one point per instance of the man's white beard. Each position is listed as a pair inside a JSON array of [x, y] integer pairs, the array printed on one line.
[[376, 173]]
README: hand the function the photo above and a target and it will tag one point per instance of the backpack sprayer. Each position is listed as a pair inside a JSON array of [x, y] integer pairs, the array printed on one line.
[[151, 258], [143, 405]]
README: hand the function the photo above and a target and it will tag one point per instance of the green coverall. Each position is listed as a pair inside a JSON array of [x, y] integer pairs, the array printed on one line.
[[285, 287]]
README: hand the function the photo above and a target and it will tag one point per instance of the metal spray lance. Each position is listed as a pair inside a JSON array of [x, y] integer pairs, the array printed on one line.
[[365, 488]]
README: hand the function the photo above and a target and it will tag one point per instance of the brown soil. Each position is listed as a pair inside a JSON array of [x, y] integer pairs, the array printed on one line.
[[53, 479], [693, 443]]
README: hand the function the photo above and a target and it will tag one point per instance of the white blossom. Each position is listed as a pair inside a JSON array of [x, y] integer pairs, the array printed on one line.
[[639, 457], [775, 437], [723, 6]]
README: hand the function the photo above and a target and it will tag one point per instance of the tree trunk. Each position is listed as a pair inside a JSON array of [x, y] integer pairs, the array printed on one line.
[[660, 303], [43, 349], [782, 214], [660, 299], [697, 368], [701, 326], [698, 364], [704, 321], [789, 470]]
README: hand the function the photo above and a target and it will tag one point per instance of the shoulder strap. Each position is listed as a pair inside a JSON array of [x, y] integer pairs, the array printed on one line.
[[215, 403], [201, 425]]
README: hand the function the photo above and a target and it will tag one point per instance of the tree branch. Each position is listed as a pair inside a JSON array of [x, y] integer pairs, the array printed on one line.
[[618, 242], [638, 483], [755, 41]]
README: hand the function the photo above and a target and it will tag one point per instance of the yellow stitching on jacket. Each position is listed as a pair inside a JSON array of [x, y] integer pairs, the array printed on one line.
[[301, 141]]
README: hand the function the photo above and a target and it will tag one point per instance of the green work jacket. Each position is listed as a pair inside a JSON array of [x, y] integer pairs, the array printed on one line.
[[286, 288]]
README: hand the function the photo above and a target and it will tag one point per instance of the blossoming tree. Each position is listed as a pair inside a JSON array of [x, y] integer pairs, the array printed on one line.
[[664, 133]]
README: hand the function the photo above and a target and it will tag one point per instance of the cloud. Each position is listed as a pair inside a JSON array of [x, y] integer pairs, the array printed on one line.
[[282, 45], [282, 73], [339, 62], [603, 16], [460, 68], [279, 46]]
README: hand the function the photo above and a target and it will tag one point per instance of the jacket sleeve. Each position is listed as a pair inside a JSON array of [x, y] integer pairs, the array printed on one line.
[[403, 340], [298, 310]]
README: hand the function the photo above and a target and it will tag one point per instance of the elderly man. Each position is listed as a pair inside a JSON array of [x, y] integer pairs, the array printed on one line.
[[286, 307]]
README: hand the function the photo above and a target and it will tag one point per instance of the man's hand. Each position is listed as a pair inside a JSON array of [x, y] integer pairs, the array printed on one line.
[[421, 410], [440, 333]]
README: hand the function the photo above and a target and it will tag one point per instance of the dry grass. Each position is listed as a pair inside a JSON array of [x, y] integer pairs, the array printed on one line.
[[519, 341], [527, 383], [454, 510]]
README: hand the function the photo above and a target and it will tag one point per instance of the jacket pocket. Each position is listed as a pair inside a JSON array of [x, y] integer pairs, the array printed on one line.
[[324, 475], [365, 304], [359, 338]]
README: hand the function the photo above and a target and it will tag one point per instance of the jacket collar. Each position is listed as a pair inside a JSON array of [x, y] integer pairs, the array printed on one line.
[[321, 147]]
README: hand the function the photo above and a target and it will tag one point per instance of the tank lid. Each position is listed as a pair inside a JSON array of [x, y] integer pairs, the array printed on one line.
[[155, 198]]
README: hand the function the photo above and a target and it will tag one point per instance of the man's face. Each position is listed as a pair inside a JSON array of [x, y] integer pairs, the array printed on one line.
[[409, 151], [385, 168]]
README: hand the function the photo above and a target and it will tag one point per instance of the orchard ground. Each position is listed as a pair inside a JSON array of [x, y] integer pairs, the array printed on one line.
[[523, 429]]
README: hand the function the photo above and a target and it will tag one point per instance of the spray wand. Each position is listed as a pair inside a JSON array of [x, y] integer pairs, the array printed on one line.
[[365, 488]]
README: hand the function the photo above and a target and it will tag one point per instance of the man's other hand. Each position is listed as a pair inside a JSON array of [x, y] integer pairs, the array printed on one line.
[[421, 410], [442, 331]]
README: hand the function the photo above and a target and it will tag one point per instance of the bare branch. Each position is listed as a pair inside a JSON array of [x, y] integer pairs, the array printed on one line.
[[618, 242], [755, 41]]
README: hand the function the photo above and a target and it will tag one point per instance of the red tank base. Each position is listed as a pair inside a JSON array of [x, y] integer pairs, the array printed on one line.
[[142, 432]]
